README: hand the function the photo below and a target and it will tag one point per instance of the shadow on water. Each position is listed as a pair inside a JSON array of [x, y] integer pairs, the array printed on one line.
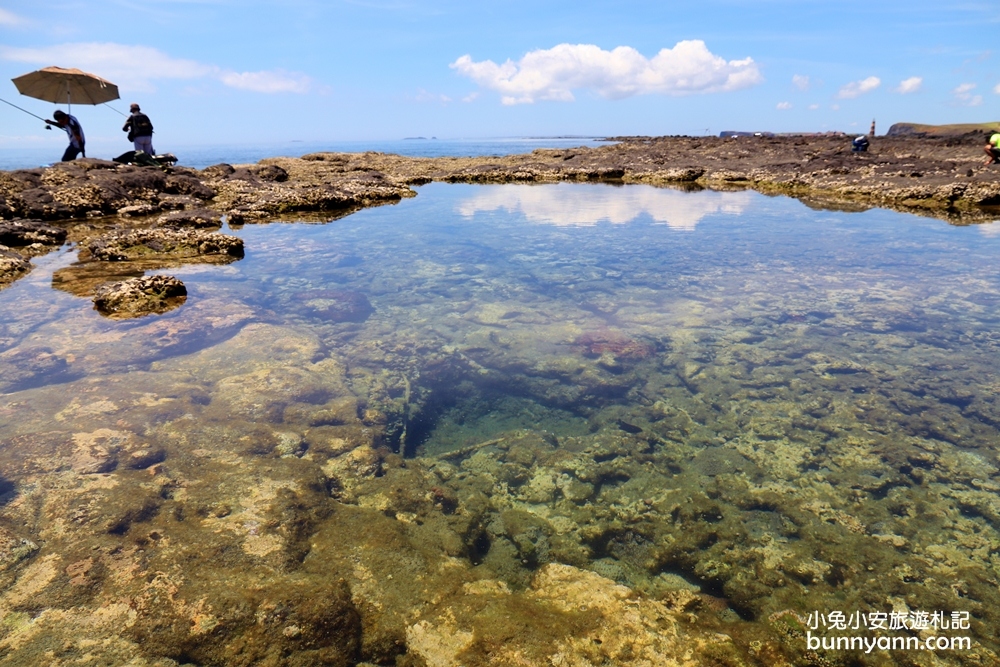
[[8, 490]]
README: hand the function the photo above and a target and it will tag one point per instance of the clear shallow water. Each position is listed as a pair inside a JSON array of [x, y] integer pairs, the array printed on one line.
[[199, 157], [733, 404]]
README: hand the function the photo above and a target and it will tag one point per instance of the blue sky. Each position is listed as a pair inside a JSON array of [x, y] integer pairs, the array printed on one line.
[[243, 71]]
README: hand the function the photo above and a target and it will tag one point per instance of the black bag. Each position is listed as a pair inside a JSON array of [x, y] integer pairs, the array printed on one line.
[[140, 127]]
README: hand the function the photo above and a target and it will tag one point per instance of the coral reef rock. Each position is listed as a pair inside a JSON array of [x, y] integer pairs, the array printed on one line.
[[12, 266], [136, 297], [126, 245], [16, 233]]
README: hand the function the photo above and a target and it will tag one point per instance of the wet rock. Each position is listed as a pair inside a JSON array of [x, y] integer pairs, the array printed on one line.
[[143, 243], [136, 297], [12, 267], [188, 184], [170, 202], [199, 218], [137, 210], [16, 233]]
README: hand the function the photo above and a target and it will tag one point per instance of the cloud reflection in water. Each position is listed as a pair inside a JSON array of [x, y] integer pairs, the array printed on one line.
[[578, 204]]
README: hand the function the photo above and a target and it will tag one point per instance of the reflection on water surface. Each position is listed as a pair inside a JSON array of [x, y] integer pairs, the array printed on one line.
[[584, 206], [444, 428]]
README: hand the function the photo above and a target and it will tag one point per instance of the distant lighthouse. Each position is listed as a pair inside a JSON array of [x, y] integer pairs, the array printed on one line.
[[871, 133]]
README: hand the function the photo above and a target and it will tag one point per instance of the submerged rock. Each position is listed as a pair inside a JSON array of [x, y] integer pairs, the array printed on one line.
[[335, 305], [136, 297]]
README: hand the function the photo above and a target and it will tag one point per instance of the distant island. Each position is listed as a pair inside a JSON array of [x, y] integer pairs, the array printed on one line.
[[921, 130]]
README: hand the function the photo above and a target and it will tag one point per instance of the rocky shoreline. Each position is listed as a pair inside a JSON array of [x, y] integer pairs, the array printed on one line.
[[92, 201]]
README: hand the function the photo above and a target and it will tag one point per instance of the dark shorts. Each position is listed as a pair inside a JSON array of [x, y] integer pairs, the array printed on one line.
[[71, 153]]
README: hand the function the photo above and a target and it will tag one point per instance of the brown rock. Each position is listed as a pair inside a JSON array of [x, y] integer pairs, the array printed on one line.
[[12, 267], [136, 297], [143, 243], [199, 218], [17, 233]]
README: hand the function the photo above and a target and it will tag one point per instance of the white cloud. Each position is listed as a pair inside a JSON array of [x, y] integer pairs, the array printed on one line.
[[858, 88], [991, 229], [267, 81], [963, 95], [996, 89], [801, 82], [553, 74], [135, 68], [425, 96], [471, 97], [9, 18], [784, 105], [575, 205], [813, 107], [911, 85]]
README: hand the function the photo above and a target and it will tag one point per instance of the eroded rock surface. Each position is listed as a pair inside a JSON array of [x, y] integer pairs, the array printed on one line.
[[12, 266], [198, 218], [126, 245], [17, 233], [136, 297], [89, 187]]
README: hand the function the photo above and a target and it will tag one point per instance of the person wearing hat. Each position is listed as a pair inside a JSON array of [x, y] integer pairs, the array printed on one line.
[[140, 130], [77, 143]]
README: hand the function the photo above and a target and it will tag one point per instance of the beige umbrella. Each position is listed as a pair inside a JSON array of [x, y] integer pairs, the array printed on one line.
[[57, 85]]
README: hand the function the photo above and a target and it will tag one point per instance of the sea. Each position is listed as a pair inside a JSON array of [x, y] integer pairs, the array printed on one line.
[[204, 155]]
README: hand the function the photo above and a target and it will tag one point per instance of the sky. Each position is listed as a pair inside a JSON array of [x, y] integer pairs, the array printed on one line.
[[253, 72]]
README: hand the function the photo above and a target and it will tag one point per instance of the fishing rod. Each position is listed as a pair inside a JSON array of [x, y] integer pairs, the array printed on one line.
[[113, 109], [26, 111]]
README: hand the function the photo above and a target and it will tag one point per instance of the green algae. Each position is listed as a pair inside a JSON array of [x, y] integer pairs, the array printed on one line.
[[748, 416]]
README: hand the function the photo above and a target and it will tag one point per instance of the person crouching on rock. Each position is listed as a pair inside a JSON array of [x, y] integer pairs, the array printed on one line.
[[993, 149], [140, 130], [77, 143]]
